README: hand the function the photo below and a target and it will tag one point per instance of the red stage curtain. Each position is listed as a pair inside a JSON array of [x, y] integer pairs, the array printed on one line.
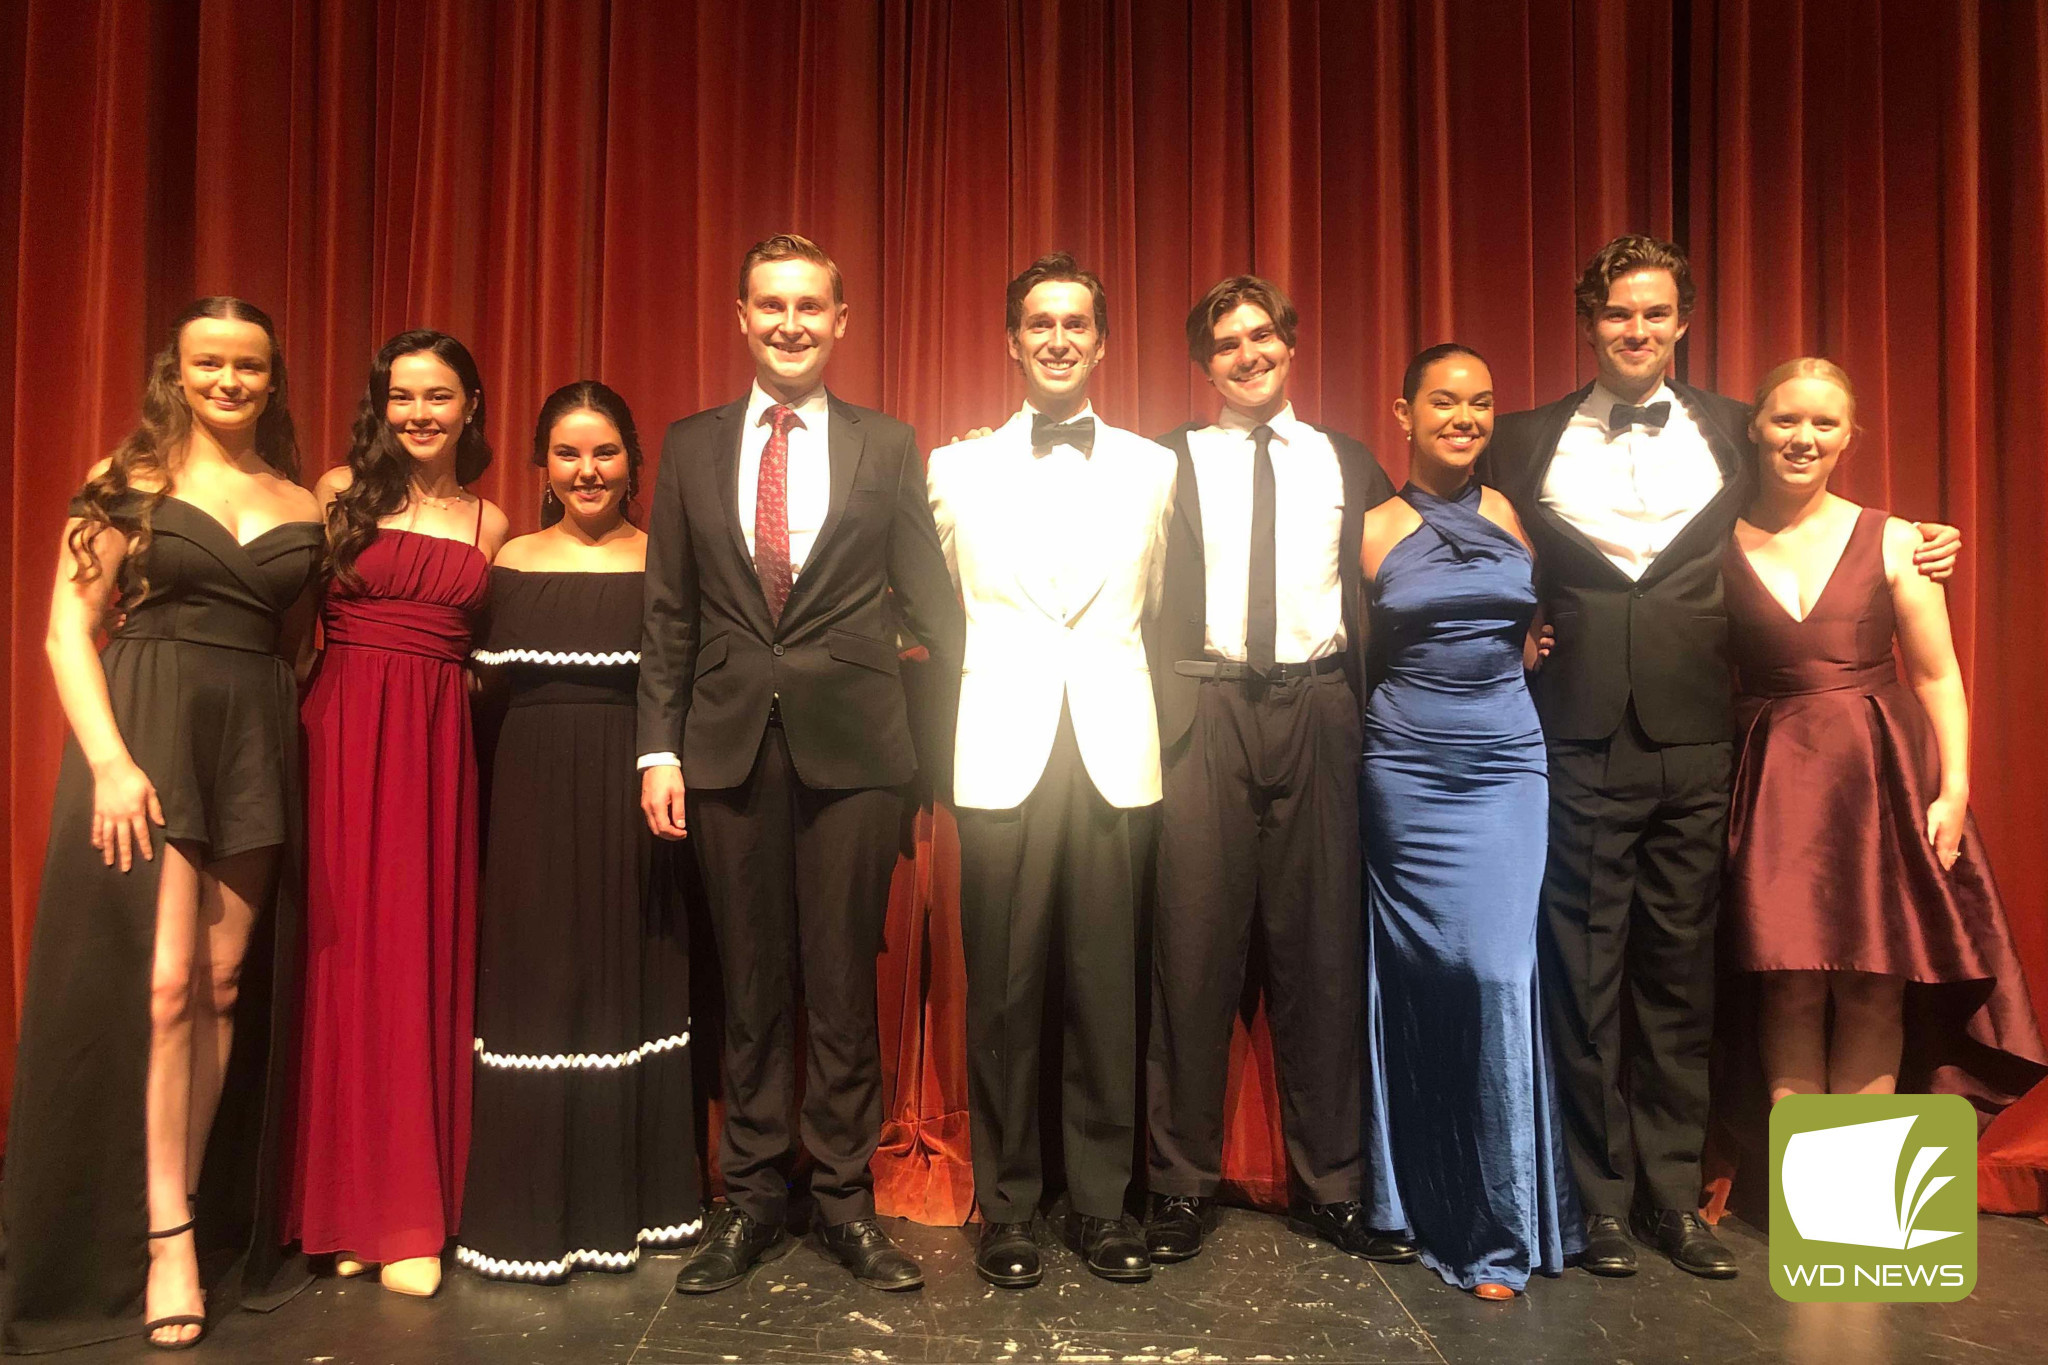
[[570, 187]]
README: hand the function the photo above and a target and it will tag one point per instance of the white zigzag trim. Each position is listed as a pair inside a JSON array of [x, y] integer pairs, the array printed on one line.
[[549, 656], [575, 1260], [580, 1061]]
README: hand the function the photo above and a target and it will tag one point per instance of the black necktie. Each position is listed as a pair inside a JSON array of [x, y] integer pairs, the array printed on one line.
[[1078, 433], [1262, 607], [1622, 416]]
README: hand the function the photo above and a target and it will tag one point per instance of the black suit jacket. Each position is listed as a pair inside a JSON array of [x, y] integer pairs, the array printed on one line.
[[1184, 615], [711, 664], [1661, 641]]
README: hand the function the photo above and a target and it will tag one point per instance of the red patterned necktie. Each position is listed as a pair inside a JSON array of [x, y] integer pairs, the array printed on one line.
[[771, 511]]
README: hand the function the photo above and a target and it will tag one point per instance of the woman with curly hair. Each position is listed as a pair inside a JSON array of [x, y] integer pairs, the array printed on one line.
[[171, 864], [382, 1128]]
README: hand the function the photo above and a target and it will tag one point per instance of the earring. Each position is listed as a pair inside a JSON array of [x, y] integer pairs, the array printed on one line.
[[547, 495]]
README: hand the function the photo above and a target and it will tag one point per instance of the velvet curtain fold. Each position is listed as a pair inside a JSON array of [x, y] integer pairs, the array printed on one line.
[[570, 187]]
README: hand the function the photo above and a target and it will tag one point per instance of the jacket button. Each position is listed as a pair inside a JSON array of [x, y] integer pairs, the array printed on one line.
[[776, 650]]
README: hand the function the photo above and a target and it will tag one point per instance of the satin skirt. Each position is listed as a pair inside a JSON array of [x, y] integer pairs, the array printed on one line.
[[1467, 1151]]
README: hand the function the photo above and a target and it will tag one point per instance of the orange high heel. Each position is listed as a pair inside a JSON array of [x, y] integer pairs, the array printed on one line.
[[1489, 1290]]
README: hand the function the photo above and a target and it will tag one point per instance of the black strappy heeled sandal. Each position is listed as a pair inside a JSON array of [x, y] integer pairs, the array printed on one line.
[[155, 1325]]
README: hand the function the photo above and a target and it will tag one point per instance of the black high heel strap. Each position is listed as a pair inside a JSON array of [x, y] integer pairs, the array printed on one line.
[[173, 1232]]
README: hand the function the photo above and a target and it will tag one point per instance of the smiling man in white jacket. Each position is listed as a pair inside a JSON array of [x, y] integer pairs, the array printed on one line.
[[1054, 527]]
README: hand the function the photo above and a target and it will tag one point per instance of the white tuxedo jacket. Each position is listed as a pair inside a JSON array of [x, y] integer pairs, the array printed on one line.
[[1057, 597]]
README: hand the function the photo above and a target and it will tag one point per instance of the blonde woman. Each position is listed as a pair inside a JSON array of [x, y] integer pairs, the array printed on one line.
[[1858, 890]]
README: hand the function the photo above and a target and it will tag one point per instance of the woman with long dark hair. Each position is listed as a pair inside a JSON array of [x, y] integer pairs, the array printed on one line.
[[585, 1146], [171, 863], [382, 1129]]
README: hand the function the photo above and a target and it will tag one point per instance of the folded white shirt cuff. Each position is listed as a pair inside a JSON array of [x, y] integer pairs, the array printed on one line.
[[660, 760]]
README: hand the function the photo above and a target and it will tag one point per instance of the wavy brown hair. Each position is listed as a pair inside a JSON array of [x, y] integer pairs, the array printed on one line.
[[151, 453], [1624, 256], [585, 395], [381, 470]]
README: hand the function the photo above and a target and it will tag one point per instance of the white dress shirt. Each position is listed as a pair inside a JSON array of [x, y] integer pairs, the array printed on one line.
[[1631, 492], [810, 469], [1058, 482], [1308, 524]]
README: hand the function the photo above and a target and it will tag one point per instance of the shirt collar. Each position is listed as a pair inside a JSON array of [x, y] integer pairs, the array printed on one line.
[[810, 407], [1283, 422], [1602, 400], [1027, 412]]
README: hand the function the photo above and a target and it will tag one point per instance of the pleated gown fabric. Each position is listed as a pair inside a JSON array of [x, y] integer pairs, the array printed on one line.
[[584, 1150], [382, 1126]]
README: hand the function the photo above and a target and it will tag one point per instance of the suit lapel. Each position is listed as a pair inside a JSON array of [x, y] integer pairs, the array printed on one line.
[[844, 444], [1187, 495], [1728, 453], [1036, 571], [725, 469], [1555, 419]]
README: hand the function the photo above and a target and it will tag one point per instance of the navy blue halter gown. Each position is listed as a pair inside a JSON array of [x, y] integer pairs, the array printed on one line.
[[1462, 1113]]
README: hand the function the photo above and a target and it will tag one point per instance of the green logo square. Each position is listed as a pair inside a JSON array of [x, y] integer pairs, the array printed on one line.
[[1873, 1198]]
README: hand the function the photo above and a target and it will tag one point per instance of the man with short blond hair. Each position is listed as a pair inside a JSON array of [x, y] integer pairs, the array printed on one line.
[[772, 728]]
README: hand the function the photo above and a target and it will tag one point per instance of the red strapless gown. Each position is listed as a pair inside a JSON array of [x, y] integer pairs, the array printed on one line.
[[1829, 867], [381, 1134]]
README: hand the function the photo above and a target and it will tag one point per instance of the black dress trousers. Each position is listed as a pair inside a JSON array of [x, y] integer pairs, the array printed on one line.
[[1631, 891], [797, 879], [1048, 920], [1260, 821]]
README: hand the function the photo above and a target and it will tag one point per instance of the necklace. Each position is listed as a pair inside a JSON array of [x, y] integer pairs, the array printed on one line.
[[455, 499]]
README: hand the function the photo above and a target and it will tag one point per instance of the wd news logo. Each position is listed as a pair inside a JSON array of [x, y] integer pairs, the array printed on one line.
[[1873, 1198]]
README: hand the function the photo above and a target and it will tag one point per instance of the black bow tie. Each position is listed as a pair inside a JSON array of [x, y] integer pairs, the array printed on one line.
[[1078, 433], [1622, 416]]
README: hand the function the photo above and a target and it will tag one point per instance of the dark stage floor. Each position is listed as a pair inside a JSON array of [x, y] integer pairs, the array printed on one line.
[[1260, 1293]]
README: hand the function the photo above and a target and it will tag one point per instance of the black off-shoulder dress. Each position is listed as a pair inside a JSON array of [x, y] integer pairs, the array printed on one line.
[[209, 711]]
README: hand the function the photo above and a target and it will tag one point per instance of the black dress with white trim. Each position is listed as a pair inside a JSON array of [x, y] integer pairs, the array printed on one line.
[[583, 1150]]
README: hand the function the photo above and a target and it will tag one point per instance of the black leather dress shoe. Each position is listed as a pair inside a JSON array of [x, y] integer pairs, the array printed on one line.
[[1008, 1256], [875, 1261], [1608, 1251], [1685, 1237], [1175, 1224], [1113, 1248], [732, 1246], [1343, 1226]]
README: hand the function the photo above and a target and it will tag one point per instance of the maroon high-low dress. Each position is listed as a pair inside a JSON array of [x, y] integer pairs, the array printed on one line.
[[381, 1135], [1829, 868]]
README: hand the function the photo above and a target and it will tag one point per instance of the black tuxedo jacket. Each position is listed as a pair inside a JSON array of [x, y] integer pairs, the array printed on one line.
[[711, 664], [1663, 640], [1184, 614]]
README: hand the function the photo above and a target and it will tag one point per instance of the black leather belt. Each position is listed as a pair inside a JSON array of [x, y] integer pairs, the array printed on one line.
[[1229, 670]]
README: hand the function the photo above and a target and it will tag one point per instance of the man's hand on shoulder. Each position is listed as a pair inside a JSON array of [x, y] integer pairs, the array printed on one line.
[[1938, 550]]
